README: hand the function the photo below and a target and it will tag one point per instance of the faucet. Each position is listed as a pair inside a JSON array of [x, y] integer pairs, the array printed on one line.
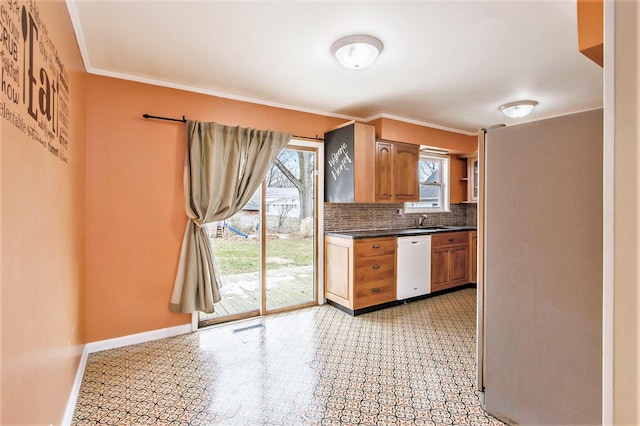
[[421, 220]]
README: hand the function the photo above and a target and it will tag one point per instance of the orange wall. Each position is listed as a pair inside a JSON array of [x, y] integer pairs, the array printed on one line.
[[135, 205], [399, 131], [135, 202], [43, 236]]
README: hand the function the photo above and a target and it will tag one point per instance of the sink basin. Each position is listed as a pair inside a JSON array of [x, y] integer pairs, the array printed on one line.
[[412, 231], [425, 229]]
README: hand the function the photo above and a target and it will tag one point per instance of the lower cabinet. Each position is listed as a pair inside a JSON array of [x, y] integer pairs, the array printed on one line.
[[449, 260], [473, 256], [360, 273]]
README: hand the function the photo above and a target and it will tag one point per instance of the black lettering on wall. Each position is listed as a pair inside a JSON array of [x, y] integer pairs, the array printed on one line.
[[40, 108]]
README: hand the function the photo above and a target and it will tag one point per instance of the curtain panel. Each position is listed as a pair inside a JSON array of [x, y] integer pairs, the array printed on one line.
[[224, 166]]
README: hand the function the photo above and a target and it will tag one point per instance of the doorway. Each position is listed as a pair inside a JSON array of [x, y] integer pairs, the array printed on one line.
[[267, 253]]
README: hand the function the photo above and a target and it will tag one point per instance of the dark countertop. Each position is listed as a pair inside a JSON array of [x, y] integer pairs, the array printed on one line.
[[375, 233]]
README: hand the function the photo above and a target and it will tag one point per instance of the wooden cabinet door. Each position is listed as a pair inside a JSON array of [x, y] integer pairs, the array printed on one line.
[[472, 178], [405, 173], [338, 272], [439, 268], [459, 263], [473, 257], [383, 166]]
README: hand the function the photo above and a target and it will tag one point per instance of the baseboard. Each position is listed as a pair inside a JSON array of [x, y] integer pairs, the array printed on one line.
[[75, 389], [133, 339], [114, 343]]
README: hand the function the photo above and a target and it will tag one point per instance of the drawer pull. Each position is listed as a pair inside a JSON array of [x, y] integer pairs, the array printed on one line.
[[451, 240], [376, 266], [376, 246], [375, 290]]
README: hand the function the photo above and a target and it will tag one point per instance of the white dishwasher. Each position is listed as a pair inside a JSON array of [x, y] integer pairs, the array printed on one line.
[[414, 266]]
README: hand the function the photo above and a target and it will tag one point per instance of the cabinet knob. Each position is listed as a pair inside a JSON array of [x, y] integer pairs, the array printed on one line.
[[376, 266], [376, 246], [451, 240]]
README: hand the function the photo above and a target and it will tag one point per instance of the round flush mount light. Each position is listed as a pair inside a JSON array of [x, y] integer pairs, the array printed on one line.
[[357, 51], [518, 109]]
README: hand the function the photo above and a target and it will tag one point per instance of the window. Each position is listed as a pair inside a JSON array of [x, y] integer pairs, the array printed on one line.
[[434, 181]]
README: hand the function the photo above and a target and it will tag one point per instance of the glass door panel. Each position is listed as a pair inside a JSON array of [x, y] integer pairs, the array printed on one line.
[[236, 246], [290, 243], [266, 253]]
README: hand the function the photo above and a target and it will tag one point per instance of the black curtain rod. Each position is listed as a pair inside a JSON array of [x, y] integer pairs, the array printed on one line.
[[184, 120]]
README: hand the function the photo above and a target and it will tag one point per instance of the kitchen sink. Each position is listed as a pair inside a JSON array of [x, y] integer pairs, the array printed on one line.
[[412, 231], [426, 229], [438, 228]]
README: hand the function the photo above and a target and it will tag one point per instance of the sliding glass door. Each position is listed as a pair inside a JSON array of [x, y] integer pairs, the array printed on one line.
[[266, 253], [290, 217]]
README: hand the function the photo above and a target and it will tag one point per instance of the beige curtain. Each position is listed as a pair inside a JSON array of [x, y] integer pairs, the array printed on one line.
[[224, 167]]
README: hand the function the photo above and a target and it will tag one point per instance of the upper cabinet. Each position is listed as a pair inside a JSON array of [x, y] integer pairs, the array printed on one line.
[[349, 153], [360, 170], [472, 170], [397, 172], [471, 178], [384, 175], [590, 29]]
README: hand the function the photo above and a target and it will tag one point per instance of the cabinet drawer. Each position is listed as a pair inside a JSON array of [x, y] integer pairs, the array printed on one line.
[[449, 239], [374, 269], [374, 280], [371, 293], [374, 246]]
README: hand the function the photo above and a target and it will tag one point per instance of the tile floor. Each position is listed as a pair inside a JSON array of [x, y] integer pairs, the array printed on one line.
[[413, 364]]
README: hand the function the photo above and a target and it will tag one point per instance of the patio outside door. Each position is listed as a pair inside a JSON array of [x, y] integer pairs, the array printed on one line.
[[266, 253]]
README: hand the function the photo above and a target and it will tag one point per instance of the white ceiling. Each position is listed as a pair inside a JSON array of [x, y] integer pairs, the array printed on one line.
[[446, 63]]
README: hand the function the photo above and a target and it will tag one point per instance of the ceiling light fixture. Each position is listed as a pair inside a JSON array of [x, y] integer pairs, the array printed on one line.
[[357, 51], [518, 109]]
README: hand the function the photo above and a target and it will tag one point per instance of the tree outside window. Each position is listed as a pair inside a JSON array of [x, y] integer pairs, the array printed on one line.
[[434, 179]]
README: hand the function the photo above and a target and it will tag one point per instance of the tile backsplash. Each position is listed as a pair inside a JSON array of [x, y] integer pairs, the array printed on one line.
[[359, 216], [472, 214]]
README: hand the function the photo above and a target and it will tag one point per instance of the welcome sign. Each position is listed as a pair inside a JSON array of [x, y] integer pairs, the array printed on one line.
[[339, 165], [35, 84]]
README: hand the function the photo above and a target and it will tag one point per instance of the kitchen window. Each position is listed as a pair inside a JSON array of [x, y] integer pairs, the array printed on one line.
[[434, 181]]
